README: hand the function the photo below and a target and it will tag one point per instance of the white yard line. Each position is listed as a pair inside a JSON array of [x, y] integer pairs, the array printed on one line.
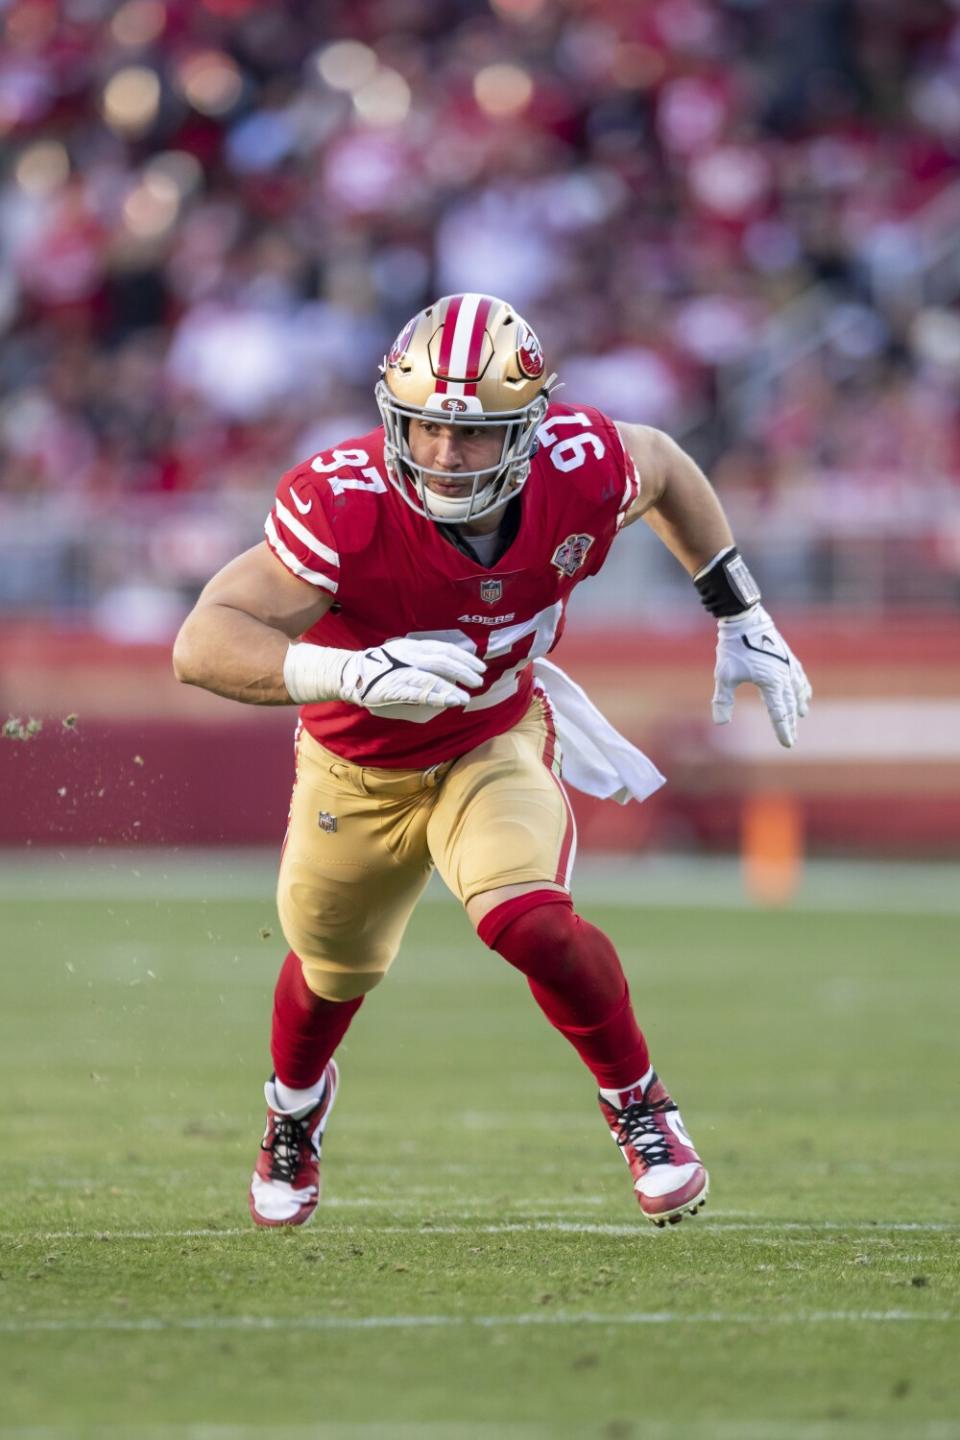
[[794, 1229], [712, 1429], [483, 1322]]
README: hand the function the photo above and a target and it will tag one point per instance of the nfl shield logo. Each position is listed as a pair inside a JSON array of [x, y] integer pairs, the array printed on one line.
[[327, 822], [490, 591]]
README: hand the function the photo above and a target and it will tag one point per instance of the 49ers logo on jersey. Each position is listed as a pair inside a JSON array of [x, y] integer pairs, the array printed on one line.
[[529, 353], [569, 556]]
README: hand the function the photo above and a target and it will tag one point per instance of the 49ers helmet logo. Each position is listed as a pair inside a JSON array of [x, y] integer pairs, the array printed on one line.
[[454, 403], [401, 345], [569, 556], [530, 353]]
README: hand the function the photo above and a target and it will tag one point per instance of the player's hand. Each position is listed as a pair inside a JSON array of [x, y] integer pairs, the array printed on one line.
[[751, 648], [413, 672]]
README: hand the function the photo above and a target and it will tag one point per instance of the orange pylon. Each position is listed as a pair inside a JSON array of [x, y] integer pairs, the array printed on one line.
[[771, 846]]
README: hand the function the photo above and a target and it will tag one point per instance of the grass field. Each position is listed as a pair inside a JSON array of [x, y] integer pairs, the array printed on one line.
[[479, 1267]]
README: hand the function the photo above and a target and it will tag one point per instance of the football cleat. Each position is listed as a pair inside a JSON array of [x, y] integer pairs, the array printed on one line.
[[286, 1183], [668, 1175]]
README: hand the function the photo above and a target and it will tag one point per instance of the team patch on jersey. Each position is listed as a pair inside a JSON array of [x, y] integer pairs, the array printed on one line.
[[569, 556], [491, 591], [486, 619], [327, 822]]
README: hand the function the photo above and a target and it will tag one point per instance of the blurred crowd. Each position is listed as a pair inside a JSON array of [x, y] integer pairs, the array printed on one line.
[[735, 219]]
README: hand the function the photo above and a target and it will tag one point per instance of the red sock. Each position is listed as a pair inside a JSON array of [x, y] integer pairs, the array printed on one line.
[[306, 1029], [576, 978]]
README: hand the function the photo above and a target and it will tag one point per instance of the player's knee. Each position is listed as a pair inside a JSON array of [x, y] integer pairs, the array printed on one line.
[[549, 943], [333, 982], [540, 917], [545, 942], [342, 958], [338, 967], [341, 970]]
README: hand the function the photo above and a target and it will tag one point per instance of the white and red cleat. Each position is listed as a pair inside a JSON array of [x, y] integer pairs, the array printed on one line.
[[286, 1183], [668, 1175]]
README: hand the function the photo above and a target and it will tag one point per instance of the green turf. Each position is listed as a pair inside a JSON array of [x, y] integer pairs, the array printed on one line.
[[479, 1268]]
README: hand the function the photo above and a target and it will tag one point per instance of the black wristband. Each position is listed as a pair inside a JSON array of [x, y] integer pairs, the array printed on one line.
[[726, 586]]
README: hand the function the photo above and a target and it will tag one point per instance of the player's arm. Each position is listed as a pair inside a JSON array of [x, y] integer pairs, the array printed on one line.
[[236, 643], [676, 499], [235, 640], [680, 505]]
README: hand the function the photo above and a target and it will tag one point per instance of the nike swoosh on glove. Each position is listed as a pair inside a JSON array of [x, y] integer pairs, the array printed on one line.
[[751, 648], [412, 672]]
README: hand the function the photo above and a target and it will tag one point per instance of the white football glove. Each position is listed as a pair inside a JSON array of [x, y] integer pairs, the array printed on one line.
[[751, 648], [412, 672]]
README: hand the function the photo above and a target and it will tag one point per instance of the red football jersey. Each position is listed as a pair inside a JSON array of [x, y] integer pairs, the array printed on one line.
[[338, 523]]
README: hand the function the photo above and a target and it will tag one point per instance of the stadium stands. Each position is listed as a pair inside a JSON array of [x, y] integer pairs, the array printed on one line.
[[734, 220]]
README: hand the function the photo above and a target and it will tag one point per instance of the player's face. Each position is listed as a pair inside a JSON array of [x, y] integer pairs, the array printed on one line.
[[458, 451]]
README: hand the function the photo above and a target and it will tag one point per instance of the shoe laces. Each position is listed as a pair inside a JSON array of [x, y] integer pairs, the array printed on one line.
[[285, 1144], [639, 1126]]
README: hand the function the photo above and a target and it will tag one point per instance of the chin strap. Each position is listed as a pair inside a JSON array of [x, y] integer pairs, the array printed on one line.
[[436, 505]]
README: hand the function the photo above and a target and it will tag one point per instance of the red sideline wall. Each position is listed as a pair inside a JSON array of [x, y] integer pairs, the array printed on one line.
[[152, 762]]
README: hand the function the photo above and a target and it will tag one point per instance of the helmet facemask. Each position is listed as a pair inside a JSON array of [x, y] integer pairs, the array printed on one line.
[[492, 486]]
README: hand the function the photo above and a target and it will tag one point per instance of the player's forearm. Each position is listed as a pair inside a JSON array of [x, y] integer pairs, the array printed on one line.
[[687, 515], [232, 654], [235, 655]]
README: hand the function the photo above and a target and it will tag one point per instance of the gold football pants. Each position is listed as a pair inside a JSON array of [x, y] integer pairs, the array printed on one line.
[[361, 844]]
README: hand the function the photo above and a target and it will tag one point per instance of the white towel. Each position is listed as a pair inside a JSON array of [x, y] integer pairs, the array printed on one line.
[[597, 759]]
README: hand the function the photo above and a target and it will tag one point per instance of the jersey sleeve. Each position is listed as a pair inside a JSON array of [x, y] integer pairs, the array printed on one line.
[[610, 484], [625, 468], [299, 530]]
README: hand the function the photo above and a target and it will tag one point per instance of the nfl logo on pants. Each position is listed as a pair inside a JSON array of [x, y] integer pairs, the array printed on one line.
[[327, 822]]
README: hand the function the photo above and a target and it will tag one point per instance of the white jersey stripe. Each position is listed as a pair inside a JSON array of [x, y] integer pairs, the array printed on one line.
[[288, 558], [632, 488], [297, 527], [632, 484]]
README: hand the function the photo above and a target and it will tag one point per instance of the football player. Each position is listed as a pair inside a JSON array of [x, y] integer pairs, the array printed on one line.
[[409, 584]]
